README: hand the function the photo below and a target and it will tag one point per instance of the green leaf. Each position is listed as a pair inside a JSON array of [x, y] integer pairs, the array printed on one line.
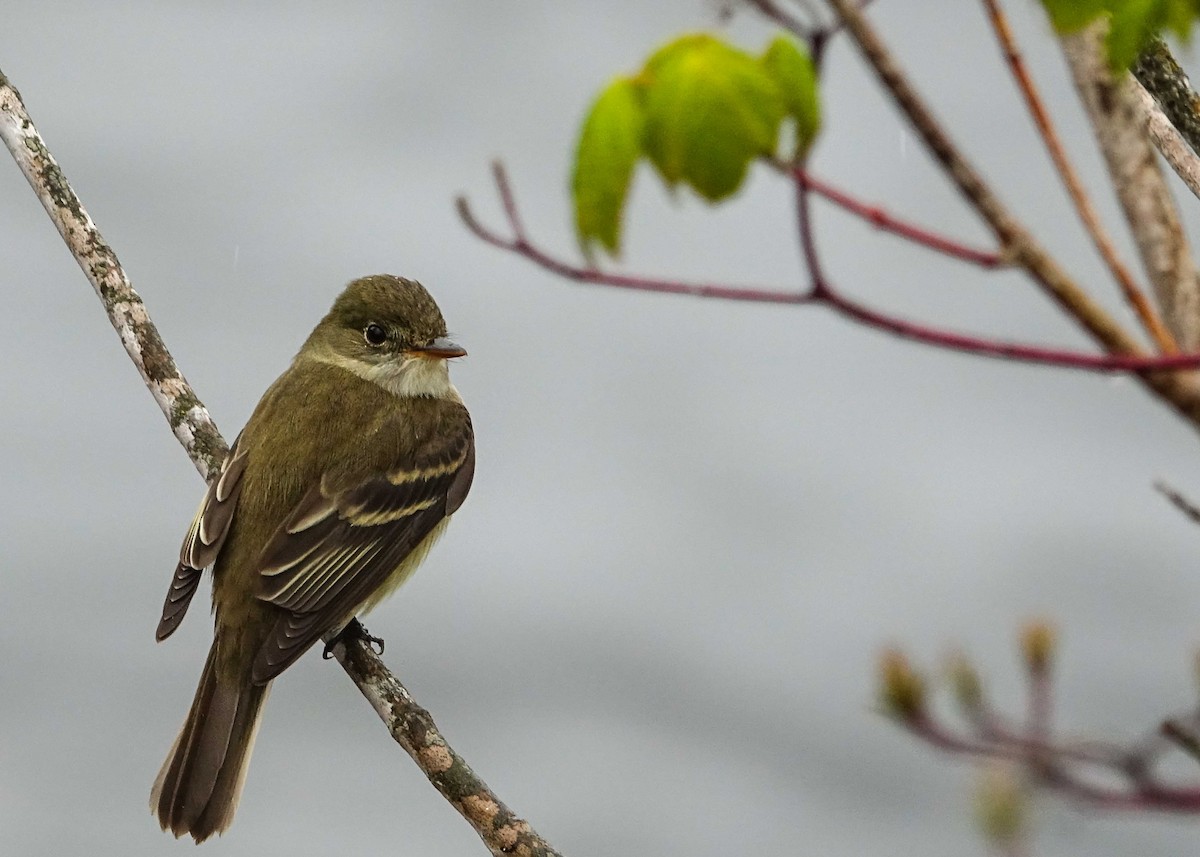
[[792, 69], [1132, 23], [608, 150], [710, 110], [672, 50], [1067, 16], [1179, 16]]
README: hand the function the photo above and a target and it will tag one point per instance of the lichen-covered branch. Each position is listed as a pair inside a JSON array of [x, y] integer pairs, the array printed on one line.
[[189, 419], [501, 830], [1163, 78], [1119, 122], [408, 722], [1169, 142]]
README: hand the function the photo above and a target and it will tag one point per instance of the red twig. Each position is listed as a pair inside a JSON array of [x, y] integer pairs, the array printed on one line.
[[522, 246], [880, 218], [821, 292], [1022, 352], [1142, 794]]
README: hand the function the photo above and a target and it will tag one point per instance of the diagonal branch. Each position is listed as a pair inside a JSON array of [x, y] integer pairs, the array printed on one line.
[[187, 416], [1118, 119], [1163, 78], [504, 833], [1070, 179], [1172, 109], [1025, 249], [501, 830], [1181, 391], [1169, 142]]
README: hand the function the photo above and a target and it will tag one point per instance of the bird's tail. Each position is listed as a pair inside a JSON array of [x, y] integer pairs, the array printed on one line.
[[197, 790]]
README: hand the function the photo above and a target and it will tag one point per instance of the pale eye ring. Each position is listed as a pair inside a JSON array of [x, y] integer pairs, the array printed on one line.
[[375, 335]]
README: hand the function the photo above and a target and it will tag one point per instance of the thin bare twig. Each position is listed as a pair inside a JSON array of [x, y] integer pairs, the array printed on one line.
[[816, 34], [521, 245], [883, 220], [784, 18], [1059, 776], [1070, 178], [1103, 774], [502, 832], [1180, 502], [1012, 235], [1181, 391], [1183, 737], [823, 293]]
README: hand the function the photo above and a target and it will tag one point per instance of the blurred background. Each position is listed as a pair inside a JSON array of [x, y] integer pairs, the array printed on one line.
[[654, 626]]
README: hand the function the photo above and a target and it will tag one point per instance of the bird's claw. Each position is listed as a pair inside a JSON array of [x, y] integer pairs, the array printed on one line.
[[354, 630]]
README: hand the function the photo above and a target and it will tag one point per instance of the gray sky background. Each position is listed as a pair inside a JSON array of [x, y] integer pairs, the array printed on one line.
[[653, 627]]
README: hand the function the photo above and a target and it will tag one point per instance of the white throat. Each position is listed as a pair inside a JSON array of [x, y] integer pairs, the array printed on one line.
[[406, 376]]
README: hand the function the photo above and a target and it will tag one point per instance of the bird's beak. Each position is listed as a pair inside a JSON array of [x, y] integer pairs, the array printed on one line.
[[441, 348]]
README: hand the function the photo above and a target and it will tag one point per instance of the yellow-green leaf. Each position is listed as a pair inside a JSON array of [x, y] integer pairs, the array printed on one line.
[[608, 150], [1132, 23], [792, 69], [1067, 16], [710, 110]]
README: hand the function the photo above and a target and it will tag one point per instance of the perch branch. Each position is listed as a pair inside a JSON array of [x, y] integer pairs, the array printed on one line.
[[503, 833], [187, 416]]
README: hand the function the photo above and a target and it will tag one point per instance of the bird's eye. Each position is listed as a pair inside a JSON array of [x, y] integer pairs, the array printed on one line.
[[374, 335]]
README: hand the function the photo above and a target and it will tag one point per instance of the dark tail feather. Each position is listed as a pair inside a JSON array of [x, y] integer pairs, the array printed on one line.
[[198, 788]]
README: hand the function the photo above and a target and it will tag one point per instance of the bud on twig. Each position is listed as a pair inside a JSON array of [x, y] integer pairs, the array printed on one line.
[[902, 690], [1183, 737], [968, 690], [1001, 805], [1038, 641]]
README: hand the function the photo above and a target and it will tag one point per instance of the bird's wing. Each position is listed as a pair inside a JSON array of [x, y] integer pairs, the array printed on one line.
[[344, 541], [203, 540]]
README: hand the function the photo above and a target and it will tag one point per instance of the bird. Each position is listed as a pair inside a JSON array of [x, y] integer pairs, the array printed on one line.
[[345, 475]]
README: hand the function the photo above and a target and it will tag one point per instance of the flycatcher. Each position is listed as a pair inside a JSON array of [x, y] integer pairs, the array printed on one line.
[[347, 472]]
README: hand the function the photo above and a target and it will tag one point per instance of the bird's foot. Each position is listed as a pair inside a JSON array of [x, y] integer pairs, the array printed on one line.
[[354, 630]]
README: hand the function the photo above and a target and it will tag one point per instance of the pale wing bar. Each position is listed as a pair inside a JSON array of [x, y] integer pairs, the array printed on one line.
[[203, 541], [321, 566]]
